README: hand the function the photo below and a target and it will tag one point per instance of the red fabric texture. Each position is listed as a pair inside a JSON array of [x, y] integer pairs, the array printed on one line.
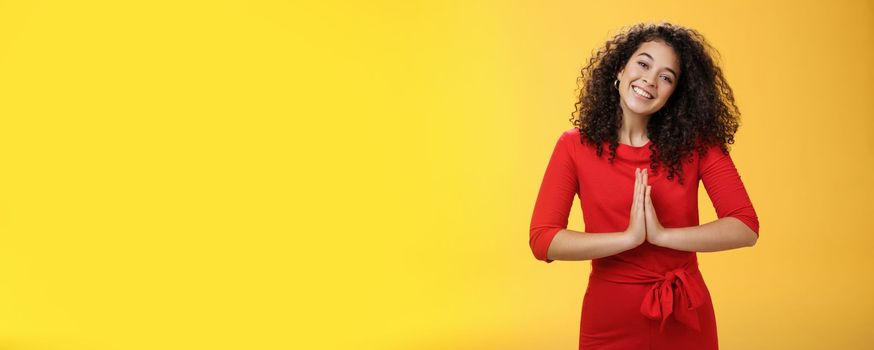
[[673, 303]]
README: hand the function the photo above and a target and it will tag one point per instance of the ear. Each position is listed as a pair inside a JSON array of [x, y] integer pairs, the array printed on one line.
[[619, 75]]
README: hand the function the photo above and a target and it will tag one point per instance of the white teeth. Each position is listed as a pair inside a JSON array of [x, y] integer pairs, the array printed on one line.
[[641, 92]]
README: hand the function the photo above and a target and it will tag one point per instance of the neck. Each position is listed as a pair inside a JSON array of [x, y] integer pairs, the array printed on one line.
[[634, 129]]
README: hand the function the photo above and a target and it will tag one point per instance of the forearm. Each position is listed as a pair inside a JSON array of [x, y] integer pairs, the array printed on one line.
[[722, 234], [576, 245]]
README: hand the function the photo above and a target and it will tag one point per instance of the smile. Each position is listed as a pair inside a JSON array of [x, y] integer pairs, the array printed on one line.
[[641, 93]]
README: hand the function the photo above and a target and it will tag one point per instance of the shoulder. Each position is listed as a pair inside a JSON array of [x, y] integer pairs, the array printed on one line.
[[714, 152], [571, 136], [576, 141], [711, 148], [568, 142]]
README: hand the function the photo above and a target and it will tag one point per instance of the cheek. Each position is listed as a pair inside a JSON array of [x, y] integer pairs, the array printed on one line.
[[666, 92]]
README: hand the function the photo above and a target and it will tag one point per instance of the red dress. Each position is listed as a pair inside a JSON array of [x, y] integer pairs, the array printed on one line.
[[648, 297]]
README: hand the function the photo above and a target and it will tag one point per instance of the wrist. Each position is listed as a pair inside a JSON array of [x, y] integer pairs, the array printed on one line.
[[662, 237], [631, 240]]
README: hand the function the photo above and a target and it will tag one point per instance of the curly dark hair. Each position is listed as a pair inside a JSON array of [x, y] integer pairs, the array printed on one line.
[[700, 112]]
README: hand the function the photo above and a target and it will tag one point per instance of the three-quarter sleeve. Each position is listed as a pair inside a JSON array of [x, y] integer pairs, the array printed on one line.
[[725, 188], [555, 198]]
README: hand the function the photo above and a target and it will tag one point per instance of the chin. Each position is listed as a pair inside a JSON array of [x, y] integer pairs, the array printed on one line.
[[640, 111], [636, 109]]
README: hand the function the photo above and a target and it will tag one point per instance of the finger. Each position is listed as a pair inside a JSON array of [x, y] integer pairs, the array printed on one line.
[[648, 200], [642, 184], [636, 193], [639, 199], [636, 178]]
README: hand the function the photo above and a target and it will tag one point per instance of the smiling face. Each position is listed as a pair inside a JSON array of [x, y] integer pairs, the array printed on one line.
[[648, 79]]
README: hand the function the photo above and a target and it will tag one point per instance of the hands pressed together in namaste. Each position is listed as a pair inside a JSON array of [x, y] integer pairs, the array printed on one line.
[[643, 223]]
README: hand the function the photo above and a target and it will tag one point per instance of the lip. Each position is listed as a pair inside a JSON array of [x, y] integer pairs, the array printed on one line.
[[647, 91]]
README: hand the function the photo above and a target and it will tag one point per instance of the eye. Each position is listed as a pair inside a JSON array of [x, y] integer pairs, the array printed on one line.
[[668, 79], [644, 65]]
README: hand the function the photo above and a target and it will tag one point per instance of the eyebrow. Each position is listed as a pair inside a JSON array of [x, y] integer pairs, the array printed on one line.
[[650, 57]]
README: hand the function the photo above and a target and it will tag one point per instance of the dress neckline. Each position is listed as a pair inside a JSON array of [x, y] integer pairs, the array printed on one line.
[[636, 147]]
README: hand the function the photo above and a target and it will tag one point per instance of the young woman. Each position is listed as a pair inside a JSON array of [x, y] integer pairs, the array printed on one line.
[[656, 100]]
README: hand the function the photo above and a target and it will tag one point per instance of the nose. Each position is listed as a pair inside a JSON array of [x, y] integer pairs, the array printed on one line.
[[650, 79]]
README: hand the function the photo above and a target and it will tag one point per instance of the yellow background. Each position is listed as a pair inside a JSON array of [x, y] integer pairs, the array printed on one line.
[[339, 175]]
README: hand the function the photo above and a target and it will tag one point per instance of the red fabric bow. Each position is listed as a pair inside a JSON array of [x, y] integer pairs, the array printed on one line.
[[678, 292]]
